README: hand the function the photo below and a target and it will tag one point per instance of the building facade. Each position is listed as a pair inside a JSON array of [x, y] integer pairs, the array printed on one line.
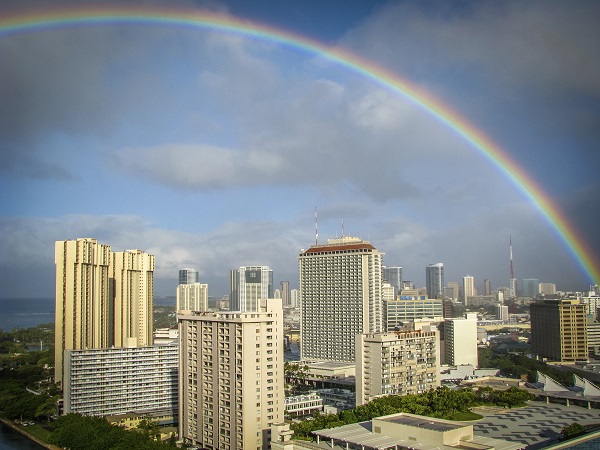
[[547, 288], [188, 276], [408, 308], [460, 341], [231, 387], [531, 287], [434, 277], [559, 330], [285, 293], [103, 298], [248, 285], [340, 297], [468, 288], [83, 298], [110, 381], [192, 297], [400, 363], [133, 283], [393, 276]]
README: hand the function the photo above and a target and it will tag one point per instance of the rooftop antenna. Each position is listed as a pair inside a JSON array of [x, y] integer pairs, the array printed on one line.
[[316, 227], [342, 228], [513, 284]]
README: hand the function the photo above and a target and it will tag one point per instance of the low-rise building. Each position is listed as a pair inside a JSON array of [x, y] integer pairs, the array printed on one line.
[[110, 381], [303, 405]]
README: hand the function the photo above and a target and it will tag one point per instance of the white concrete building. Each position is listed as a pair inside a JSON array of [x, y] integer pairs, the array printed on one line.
[[460, 341], [192, 297], [302, 405], [110, 381], [231, 377], [401, 363], [341, 297]]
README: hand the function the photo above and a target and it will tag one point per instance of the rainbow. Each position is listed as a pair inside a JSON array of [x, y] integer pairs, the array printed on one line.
[[33, 21]]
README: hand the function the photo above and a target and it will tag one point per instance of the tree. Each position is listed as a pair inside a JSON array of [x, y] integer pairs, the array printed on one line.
[[572, 430]]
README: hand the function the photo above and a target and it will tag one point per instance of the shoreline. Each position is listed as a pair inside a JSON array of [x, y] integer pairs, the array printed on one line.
[[31, 437]]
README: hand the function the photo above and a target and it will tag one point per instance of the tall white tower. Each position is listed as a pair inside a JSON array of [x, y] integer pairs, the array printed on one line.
[[468, 288]]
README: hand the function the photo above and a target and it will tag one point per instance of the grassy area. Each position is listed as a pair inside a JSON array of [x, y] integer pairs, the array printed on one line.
[[465, 416], [38, 431]]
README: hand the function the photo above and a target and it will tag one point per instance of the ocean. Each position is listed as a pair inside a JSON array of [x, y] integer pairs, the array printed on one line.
[[25, 313], [28, 313]]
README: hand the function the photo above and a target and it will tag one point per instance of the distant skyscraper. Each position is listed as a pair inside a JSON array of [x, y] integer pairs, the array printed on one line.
[[434, 274], [487, 287], [340, 289], [103, 299], [393, 276], [249, 284], [468, 288], [285, 293], [192, 297], [452, 294], [188, 276], [231, 377], [531, 287], [501, 312], [295, 296]]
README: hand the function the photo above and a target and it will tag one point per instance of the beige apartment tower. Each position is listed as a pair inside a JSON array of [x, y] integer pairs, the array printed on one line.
[[231, 377], [103, 299], [400, 363], [192, 297], [340, 297], [133, 275]]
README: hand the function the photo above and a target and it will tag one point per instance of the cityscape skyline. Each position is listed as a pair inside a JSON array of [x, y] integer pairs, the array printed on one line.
[[218, 167]]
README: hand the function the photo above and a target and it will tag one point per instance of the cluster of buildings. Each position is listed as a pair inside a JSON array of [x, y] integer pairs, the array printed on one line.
[[220, 377]]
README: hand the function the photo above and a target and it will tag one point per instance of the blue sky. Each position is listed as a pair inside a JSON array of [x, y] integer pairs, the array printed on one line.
[[212, 150]]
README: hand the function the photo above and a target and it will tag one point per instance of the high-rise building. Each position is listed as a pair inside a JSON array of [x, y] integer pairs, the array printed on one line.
[[249, 284], [188, 276], [487, 287], [460, 340], [559, 330], [468, 288], [407, 308], [103, 299], [401, 363], [133, 275], [109, 381], [340, 290], [434, 275], [285, 293], [393, 276], [231, 377], [295, 298], [192, 297], [83, 298], [531, 287]]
